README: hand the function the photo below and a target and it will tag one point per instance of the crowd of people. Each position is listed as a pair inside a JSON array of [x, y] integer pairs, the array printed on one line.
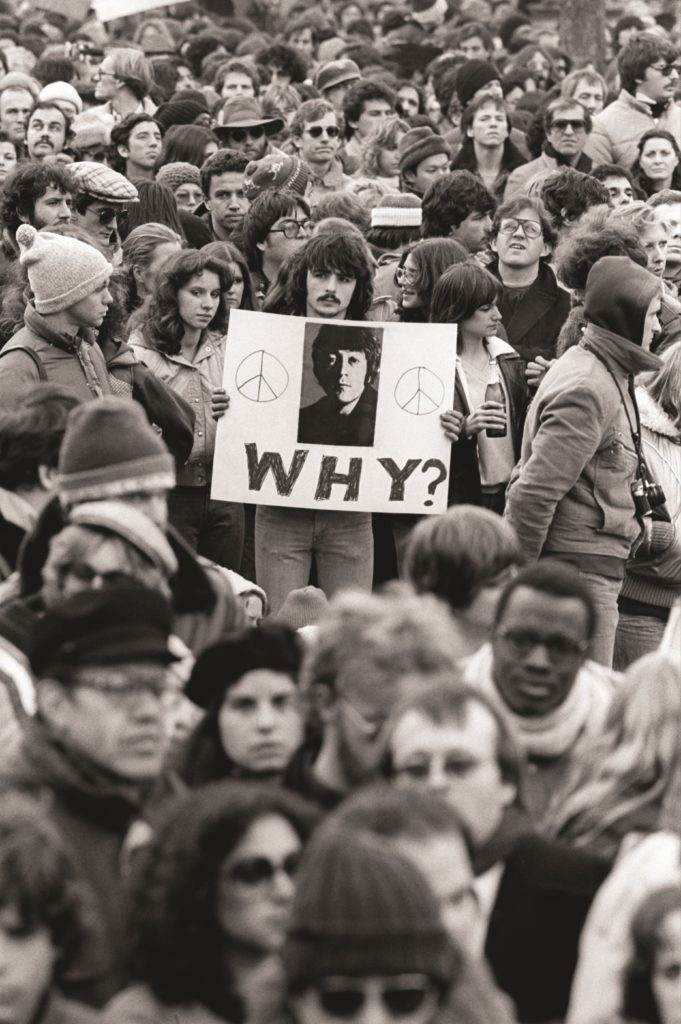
[[280, 765]]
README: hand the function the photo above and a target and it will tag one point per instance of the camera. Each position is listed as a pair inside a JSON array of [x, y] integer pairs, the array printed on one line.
[[647, 496]]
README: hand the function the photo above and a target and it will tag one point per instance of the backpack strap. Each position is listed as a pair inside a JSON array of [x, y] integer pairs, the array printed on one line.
[[34, 356]]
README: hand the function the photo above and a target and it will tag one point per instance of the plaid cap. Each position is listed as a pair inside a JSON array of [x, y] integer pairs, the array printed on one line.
[[100, 182]]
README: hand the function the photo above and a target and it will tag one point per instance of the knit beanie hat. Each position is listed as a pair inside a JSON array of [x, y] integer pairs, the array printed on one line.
[[397, 210], [178, 173], [303, 607], [279, 171], [471, 76], [61, 271], [184, 111], [56, 91], [617, 296], [362, 909], [133, 526], [110, 449], [418, 144]]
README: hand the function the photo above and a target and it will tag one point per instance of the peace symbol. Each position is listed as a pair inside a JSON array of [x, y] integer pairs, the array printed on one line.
[[261, 377], [419, 391]]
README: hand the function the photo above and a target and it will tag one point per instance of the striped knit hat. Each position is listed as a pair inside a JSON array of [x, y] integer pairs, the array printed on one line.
[[109, 450], [397, 210]]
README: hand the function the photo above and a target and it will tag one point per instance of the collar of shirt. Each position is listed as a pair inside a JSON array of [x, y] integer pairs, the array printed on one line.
[[333, 179]]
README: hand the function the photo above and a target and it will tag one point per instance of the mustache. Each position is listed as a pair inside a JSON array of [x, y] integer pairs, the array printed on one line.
[[328, 296]]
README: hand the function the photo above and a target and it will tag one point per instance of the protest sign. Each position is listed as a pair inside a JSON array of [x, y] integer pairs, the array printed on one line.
[[338, 415]]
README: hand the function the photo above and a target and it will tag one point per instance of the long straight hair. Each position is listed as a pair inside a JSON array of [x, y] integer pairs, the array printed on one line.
[[461, 291]]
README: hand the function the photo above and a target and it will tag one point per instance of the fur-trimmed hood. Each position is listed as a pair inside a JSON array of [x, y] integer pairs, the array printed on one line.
[[654, 418]]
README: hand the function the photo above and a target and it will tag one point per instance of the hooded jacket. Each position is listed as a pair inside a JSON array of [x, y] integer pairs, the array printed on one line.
[[570, 494]]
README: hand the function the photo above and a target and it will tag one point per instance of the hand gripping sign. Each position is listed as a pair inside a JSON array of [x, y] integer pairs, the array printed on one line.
[[339, 415]]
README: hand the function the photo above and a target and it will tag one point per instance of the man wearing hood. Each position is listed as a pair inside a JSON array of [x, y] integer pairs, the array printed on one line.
[[570, 495]]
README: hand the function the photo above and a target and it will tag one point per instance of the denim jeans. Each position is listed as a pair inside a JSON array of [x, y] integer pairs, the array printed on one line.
[[636, 635], [287, 538], [214, 529], [604, 592]]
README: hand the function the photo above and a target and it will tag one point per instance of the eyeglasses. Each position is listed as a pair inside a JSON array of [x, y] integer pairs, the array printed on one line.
[[401, 996], [531, 228], [260, 870], [317, 131], [107, 217], [667, 70], [98, 75], [291, 228], [405, 276], [241, 134], [563, 123], [557, 647]]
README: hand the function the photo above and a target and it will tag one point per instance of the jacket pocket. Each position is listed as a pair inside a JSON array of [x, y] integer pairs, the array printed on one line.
[[614, 471]]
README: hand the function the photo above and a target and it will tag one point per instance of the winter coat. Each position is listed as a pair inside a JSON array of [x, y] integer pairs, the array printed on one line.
[[464, 474], [535, 323], [93, 811], [617, 129], [656, 580], [522, 178], [512, 159], [195, 383], [19, 371]]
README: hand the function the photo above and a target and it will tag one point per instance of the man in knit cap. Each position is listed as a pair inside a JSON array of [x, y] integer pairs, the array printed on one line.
[[423, 158], [70, 284], [366, 942], [281, 173]]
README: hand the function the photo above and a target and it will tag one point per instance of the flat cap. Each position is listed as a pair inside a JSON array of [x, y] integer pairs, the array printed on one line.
[[100, 182]]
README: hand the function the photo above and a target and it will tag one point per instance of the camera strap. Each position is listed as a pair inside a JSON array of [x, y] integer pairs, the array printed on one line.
[[642, 469]]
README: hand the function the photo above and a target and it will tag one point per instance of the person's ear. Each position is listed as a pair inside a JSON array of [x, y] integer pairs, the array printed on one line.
[[546, 250], [260, 245], [409, 177], [509, 792], [493, 243], [47, 478], [296, 141], [123, 151], [322, 702], [138, 274]]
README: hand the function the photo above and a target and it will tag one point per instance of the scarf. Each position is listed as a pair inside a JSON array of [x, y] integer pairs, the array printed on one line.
[[656, 109], [580, 717], [613, 348]]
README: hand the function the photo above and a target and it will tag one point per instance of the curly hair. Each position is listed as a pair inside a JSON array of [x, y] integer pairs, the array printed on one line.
[[25, 185], [345, 206], [161, 322], [461, 291], [386, 137], [405, 83], [185, 143], [642, 180], [358, 94], [334, 336], [572, 191], [222, 162], [345, 254], [585, 244], [242, 67], [285, 58], [178, 946], [449, 200], [39, 879], [229, 253], [639, 53]]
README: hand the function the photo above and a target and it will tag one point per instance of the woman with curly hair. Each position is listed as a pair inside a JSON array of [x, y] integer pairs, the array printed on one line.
[[379, 159], [658, 164], [211, 905], [46, 922], [181, 339]]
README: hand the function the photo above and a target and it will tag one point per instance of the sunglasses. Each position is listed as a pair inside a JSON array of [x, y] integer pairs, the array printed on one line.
[[344, 1003], [563, 123], [667, 70], [317, 131], [107, 217], [260, 870], [241, 134]]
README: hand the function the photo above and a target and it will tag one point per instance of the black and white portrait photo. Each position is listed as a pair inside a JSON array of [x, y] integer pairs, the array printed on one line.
[[344, 362]]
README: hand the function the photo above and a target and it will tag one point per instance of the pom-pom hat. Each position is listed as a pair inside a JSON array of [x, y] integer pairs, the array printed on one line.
[[61, 271]]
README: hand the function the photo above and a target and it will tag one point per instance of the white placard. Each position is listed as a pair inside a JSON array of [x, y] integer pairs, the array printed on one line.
[[287, 440], [108, 10]]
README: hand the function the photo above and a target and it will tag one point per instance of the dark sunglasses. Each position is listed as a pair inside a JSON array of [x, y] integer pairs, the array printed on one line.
[[241, 134], [346, 1003], [317, 131], [257, 870], [562, 123], [107, 217], [667, 70]]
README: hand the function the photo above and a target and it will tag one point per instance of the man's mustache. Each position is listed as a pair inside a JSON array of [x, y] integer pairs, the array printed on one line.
[[330, 297]]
